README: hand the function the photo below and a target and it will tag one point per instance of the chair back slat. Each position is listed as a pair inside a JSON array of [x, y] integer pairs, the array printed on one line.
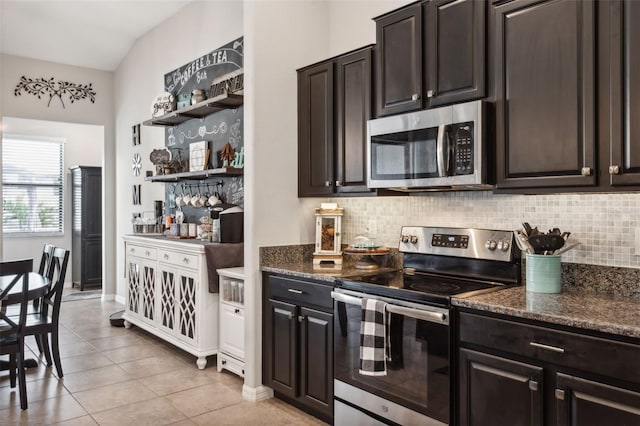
[[21, 270], [59, 261], [45, 260]]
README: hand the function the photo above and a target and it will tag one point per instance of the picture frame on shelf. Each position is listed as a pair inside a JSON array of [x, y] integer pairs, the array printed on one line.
[[198, 156]]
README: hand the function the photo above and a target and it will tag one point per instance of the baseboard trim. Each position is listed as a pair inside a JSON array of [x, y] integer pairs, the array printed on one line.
[[121, 299], [259, 393]]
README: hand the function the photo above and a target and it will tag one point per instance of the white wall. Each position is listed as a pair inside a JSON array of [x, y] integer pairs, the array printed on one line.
[[99, 113], [196, 30], [82, 146]]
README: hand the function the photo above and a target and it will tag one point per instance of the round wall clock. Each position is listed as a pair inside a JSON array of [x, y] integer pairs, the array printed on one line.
[[136, 164]]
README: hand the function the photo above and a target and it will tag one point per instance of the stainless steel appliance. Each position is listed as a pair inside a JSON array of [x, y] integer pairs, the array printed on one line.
[[430, 149], [438, 264]]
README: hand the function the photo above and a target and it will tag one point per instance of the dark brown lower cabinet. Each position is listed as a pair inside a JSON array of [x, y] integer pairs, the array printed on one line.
[[499, 391], [297, 343], [512, 372]]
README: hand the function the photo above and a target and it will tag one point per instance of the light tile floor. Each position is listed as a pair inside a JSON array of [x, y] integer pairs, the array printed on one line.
[[128, 377]]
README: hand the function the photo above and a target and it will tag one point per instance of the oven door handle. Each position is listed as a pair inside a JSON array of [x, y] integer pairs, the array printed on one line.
[[420, 314]]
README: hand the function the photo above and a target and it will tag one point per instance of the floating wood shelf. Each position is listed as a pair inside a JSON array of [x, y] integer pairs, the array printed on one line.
[[199, 110], [202, 174]]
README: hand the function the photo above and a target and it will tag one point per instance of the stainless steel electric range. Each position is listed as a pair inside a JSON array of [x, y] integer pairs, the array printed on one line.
[[438, 264]]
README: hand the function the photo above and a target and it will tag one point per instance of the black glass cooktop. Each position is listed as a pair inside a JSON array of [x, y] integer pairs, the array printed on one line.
[[421, 288]]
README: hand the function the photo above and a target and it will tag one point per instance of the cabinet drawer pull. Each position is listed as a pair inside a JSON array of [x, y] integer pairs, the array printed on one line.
[[560, 394], [614, 170], [586, 171], [293, 290], [533, 385], [147, 253], [547, 347], [186, 260], [166, 256], [132, 250]]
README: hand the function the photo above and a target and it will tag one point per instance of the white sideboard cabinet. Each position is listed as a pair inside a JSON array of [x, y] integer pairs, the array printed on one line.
[[231, 355], [168, 294]]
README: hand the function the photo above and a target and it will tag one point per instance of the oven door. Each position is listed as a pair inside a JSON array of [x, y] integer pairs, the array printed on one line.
[[418, 373]]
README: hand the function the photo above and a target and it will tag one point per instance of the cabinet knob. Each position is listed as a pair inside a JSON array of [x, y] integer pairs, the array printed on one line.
[[224, 362], [132, 250], [614, 170], [166, 256], [560, 394], [338, 183], [186, 260], [415, 97], [327, 183], [147, 253], [431, 93], [533, 385], [300, 318], [586, 171], [237, 311]]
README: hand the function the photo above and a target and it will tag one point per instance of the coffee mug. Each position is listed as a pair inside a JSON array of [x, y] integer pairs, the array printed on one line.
[[180, 201], [213, 200], [198, 201], [186, 199]]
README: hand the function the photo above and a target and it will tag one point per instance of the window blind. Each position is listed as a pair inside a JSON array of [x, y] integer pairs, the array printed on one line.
[[32, 186]]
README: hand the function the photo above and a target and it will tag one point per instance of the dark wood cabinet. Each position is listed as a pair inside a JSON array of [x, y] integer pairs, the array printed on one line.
[[520, 372], [582, 402], [334, 104], [297, 343], [499, 391], [454, 44], [399, 77], [545, 93], [86, 241], [315, 130], [353, 109], [624, 66]]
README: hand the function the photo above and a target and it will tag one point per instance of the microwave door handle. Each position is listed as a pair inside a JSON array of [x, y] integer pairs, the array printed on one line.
[[442, 151]]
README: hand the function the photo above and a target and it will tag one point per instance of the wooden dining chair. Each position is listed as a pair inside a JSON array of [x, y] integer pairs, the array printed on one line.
[[12, 329], [46, 321]]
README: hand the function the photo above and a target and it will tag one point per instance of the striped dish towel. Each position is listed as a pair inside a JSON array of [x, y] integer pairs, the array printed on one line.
[[373, 338]]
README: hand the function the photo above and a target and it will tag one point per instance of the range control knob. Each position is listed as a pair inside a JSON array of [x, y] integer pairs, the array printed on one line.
[[500, 245], [414, 239], [404, 238], [505, 245], [490, 245]]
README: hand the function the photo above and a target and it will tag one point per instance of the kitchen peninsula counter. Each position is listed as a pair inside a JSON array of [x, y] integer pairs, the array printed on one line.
[[575, 308], [306, 270]]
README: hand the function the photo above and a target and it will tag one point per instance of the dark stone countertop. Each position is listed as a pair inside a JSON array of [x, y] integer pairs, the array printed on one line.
[[574, 308], [307, 271]]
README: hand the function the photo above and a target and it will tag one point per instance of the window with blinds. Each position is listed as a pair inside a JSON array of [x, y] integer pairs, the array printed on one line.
[[32, 186]]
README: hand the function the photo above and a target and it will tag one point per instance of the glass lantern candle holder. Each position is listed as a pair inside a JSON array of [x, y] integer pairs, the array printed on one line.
[[328, 248]]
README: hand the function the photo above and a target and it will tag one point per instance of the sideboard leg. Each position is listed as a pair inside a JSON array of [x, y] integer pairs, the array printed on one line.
[[201, 362], [127, 324]]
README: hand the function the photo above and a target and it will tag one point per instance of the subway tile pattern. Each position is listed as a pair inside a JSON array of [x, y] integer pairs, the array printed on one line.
[[605, 224]]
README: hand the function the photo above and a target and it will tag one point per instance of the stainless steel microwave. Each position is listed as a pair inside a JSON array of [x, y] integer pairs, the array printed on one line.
[[440, 148]]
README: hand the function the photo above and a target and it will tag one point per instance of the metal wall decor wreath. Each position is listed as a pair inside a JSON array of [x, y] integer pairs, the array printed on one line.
[[41, 87]]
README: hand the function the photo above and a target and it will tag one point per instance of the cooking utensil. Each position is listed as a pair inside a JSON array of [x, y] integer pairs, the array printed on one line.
[[527, 228], [523, 242], [543, 243], [565, 235], [566, 247]]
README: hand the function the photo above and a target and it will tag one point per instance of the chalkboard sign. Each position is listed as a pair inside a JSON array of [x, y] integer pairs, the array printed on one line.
[[200, 73], [217, 129]]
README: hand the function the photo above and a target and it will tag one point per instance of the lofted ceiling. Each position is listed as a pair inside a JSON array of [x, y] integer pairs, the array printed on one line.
[[88, 33]]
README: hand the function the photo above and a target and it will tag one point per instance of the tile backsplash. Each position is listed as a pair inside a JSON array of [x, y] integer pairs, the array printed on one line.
[[605, 224]]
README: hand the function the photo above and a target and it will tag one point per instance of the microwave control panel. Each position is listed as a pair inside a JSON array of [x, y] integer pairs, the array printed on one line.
[[463, 148]]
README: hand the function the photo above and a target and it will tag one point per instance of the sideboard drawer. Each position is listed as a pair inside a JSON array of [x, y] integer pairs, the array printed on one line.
[[141, 251], [190, 261]]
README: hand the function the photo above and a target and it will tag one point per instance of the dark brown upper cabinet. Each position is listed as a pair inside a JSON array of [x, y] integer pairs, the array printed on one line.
[[545, 93], [624, 65], [334, 104], [353, 108], [315, 130], [455, 34], [399, 75]]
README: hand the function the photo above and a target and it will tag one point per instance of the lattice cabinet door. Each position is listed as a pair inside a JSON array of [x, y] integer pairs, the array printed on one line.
[[140, 286], [167, 288], [186, 305]]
